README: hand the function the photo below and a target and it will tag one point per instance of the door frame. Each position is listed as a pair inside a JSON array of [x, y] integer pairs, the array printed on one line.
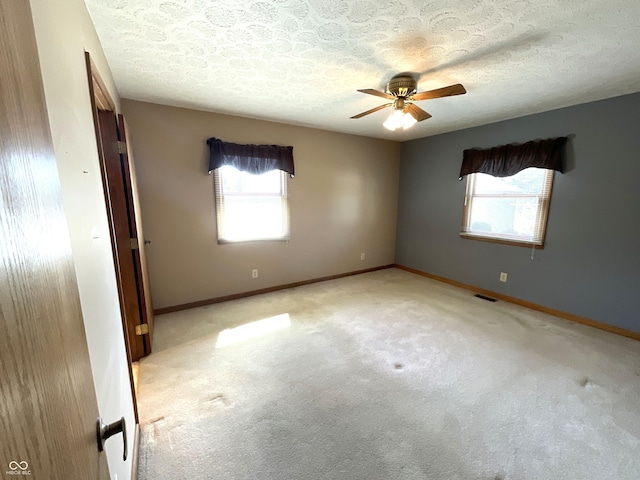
[[103, 110]]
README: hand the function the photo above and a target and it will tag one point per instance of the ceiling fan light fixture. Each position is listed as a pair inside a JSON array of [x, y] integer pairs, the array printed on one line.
[[395, 120], [399, 119], [408, 121]]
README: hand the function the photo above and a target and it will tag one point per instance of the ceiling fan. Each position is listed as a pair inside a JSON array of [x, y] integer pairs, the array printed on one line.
[[402, 89]]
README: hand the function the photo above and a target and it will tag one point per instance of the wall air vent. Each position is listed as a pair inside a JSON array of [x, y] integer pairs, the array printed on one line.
[[488, 299]]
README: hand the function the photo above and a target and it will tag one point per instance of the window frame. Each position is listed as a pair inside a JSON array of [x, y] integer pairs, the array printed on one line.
[[542, 216], [219, 197]]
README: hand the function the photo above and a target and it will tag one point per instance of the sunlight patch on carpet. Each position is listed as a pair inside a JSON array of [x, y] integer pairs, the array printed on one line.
[[232, 336]]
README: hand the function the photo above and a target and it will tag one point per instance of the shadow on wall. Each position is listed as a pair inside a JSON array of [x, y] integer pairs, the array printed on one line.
[[570, 156]]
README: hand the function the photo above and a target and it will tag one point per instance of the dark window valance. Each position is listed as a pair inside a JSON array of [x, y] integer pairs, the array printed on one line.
[[508, 160], [254, 159]]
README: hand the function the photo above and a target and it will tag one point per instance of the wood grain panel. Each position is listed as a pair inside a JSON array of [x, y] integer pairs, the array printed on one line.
[[48, 408]]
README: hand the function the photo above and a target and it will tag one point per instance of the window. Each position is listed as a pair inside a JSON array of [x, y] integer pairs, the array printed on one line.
[[251, 207], [508, 209]]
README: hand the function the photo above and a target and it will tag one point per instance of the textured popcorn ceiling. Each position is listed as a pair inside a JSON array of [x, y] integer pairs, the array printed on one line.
[[301, 61]]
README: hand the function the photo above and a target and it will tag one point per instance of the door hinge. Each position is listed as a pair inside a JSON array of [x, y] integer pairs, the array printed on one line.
[[142, 329], [133, 242], [121, 147]]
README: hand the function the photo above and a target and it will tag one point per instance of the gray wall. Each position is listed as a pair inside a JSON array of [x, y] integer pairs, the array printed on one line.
[[590, 265]]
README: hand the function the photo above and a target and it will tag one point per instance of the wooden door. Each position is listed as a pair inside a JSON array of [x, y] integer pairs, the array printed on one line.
[[124, 219], [116, 198], [137, 232], [48, 405]]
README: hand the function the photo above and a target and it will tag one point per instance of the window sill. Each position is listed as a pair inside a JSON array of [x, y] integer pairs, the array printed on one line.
[[503, 241], [256, 240]]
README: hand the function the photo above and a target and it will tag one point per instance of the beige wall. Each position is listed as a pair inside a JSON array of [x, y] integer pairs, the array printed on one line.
[[63, 32], [343, 202]]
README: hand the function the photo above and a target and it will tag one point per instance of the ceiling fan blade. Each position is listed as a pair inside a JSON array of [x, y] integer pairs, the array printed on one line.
[[377, 93], [456, 89], [372, 110], [418, 113]]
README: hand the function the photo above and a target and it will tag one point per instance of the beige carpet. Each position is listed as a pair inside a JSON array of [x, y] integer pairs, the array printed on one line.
[[386, 375]]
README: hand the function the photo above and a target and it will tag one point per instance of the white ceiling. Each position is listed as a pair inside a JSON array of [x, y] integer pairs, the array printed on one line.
[[301, 61]]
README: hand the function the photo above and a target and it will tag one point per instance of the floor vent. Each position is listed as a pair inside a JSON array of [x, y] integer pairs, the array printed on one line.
[[488, 299]]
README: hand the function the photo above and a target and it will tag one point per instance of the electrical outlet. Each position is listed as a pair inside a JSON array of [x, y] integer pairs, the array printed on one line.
[[362, 256], [254, 273], [503, 277]]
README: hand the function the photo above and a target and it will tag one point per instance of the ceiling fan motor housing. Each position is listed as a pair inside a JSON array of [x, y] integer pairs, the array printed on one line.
[[401, 86], [402, 89]]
